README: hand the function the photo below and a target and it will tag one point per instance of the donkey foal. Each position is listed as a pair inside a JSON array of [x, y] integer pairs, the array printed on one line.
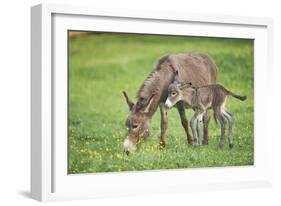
[[200, 99]]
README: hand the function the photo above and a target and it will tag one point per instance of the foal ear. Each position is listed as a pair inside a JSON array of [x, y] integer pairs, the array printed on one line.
[[184, 85], [129, 102]]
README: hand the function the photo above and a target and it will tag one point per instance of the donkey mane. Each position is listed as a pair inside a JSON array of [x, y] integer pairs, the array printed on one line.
[[151, 84]]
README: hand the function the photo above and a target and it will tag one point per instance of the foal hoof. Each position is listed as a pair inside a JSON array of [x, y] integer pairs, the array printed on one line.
[[230, 146], [205, 142]]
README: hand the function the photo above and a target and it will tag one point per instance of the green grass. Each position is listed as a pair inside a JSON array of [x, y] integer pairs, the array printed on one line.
[[101, 66]]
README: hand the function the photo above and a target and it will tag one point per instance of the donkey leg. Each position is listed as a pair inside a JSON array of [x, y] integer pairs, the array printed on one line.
[[199, 131], [206, 121], [228, 116], [164, 124], [184, 122], [193, 125]]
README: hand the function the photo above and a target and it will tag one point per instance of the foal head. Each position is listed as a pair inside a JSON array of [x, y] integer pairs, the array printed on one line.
[[175, 91]]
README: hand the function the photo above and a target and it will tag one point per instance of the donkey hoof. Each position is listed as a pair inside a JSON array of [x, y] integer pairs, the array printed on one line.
[[162, 145], [230, 146], [205, 142]]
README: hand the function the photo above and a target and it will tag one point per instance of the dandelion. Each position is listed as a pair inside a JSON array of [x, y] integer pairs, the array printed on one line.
[[119, 156]]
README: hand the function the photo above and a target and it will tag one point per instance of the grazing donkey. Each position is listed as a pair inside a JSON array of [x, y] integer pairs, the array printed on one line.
[[197, 68], [200, 99]]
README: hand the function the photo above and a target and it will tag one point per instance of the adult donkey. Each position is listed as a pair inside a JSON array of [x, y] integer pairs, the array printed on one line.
[[197, 68]]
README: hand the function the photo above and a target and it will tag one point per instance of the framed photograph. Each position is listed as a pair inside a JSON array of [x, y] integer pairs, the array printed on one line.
[[135, 102]]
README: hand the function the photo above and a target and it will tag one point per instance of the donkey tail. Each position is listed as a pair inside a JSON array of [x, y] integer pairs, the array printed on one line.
[[242, 98]]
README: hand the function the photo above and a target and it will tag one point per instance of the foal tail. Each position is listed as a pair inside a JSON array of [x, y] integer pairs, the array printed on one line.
[[242, 98]]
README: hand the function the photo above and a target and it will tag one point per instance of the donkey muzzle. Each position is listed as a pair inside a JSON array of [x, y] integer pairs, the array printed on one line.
[[127, 145]]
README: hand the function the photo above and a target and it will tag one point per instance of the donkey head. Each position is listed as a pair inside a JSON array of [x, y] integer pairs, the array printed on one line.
[[175, 91], [137, 123]]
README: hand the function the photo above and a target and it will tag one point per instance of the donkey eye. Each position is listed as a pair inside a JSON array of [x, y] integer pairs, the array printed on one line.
[[142, 100], [135, 126], [174, 93]]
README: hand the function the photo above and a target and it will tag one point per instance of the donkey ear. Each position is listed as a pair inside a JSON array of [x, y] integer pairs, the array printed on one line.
[[149, 103], [129, 102], [184, 85], [176, 76]]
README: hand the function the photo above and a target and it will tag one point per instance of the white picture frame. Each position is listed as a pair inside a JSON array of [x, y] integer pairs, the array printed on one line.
[[49, 178]]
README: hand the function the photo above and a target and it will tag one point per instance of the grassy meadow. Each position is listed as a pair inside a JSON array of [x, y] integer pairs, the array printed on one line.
[[102, 65]]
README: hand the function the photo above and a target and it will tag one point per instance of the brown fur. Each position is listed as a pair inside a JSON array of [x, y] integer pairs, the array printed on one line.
[[197, 68]]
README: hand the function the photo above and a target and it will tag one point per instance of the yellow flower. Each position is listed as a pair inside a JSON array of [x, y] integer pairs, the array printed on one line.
[[119, 156]]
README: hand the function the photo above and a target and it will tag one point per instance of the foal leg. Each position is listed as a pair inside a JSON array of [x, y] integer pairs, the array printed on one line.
[[184, 122], [193, 125], [199, 127], [206, 121], [228, 116], [222, 123]]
